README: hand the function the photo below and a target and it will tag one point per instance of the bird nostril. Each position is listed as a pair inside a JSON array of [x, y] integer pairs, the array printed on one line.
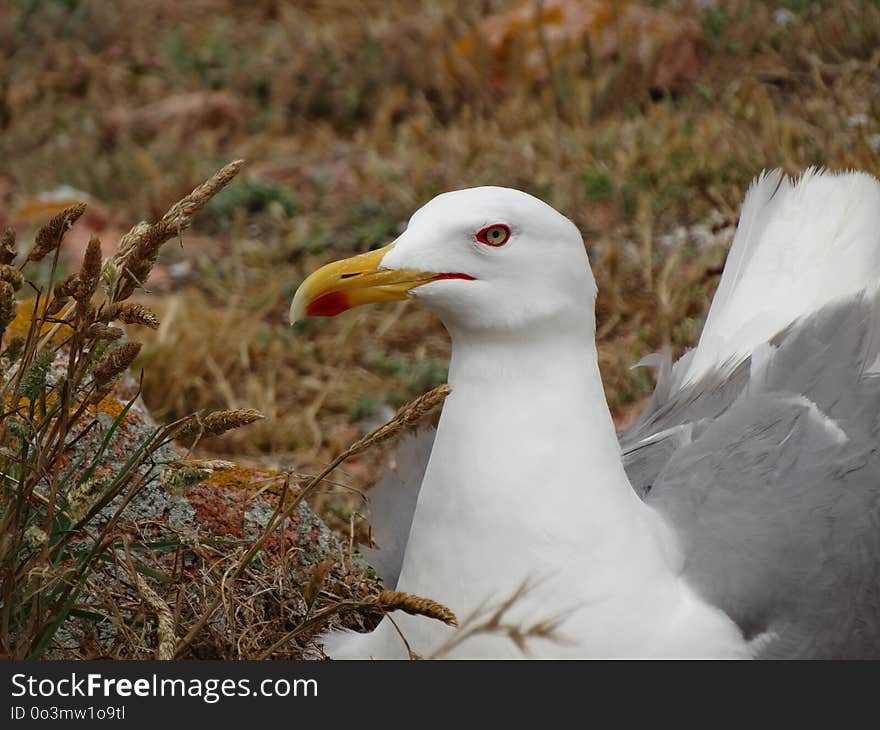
[[348, 276]]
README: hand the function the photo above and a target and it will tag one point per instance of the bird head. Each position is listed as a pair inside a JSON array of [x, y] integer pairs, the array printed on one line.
[[480, 258]]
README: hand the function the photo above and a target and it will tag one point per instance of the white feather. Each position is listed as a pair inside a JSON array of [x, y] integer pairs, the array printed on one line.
[[799, 245]]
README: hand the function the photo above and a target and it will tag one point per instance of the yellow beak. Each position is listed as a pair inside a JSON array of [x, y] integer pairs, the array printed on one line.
[[339, 286]]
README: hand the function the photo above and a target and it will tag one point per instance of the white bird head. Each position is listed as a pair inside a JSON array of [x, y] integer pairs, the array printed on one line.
[[480, 258]]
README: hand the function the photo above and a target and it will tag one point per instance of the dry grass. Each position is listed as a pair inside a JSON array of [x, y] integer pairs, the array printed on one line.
[[48, 505], [349, 120], [59, 511], [627, 168], [61, 556]]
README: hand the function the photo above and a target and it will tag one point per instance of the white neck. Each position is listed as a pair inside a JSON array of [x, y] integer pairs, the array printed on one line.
[[496, 509], [546, 384]]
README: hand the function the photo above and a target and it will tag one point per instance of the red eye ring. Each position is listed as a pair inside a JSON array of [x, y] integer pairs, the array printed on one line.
[[495, 235]]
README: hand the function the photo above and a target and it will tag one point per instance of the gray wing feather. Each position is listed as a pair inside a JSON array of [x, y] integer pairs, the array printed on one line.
[[675, 416], [776, 497], [770, 474], [393, 503]]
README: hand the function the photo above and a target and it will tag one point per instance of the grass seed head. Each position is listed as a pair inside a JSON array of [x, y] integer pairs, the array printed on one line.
[[56, 305], [139, 248], [143, 242], [130, 313], [102, 391], [415, 605], [220, 422], [33, 382], [18, 428], [14, 348], [316, 582], [116, 361], [90, 272], [407, 416], [165, 627], [50, 235], [109, 278], [100, 331], [7, 304], [181, 213], [12, 275], [35, 538], [83, 497], [86, 311], [180, 478], [67, 286], [7, 246], [184, 427]]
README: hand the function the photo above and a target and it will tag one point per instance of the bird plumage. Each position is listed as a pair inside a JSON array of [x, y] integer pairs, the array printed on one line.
[[800, 244], [746, 518]]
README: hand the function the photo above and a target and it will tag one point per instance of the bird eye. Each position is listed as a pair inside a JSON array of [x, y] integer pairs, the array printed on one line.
[[495, 235]]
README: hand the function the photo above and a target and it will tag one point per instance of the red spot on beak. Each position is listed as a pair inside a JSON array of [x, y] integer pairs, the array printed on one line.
[[328, 305], [466, 277]]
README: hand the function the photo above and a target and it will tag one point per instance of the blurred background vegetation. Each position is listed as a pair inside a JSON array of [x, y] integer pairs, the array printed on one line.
[[643, 122]]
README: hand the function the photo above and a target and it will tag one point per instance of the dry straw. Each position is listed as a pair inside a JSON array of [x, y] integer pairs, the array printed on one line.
[[383, 603], [165, 619], [165, 629], [493, 620], [316, 582], [407, 416]]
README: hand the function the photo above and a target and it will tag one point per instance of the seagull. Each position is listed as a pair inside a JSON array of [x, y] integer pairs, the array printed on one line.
[[739, 517]]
